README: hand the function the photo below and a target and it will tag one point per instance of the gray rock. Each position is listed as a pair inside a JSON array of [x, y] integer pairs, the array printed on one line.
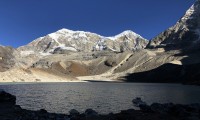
[[110, 63], [161, 108], [185, 34], [7, 98], [43, 111], [7, 58], [90, 112], [17, 108], [73, 112], [137, 102]]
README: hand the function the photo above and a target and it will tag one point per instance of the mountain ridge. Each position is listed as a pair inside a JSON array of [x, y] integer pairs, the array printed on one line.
[[65, 39], [184, 34]]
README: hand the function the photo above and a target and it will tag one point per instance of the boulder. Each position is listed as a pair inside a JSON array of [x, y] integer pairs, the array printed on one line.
[[73, 112], [110, 63], [17, 109], [43, 111], [6, 98], [161, 108], [145, 108], [138, 102], [90, 112], [179, 110]]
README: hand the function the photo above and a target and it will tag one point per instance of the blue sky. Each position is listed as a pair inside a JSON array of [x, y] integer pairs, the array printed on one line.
[[22, 21]]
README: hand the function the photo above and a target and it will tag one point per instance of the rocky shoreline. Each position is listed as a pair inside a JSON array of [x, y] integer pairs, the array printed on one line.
[[10, 111]]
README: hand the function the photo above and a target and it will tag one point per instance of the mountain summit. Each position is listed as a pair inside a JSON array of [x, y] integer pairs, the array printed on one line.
[[65, 40], [185, 34]]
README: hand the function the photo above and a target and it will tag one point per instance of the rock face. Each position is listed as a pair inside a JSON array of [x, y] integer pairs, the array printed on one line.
[[6, 58], [185, 34], [64, 41], [187, 74]]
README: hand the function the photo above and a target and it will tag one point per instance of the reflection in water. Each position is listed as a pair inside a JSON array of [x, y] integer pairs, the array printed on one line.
[[103, 97]]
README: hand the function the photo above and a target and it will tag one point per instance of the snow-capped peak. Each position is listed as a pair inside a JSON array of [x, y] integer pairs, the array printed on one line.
[[70, 33], [65, 40], [64, 31], [192, 10], [54, 36], [126, 33], [188, 13], [76, 34]]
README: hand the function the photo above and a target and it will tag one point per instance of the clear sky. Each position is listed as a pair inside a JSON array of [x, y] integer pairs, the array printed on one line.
[[22, 21]]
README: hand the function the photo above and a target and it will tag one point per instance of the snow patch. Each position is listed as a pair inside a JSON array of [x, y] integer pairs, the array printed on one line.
[[64, 47], [188, 13], [126, 33], [64, 31], [112, 49], [81, 34], [44, 54], [26, 53], [69, 48], [38, 39], [54, 36]]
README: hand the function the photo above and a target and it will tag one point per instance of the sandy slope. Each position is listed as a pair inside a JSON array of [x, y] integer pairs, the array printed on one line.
[[103, 66], [20, 75]]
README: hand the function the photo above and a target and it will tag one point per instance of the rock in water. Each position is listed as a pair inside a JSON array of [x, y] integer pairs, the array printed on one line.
[[138, 102], [73, 112], [90, 112]]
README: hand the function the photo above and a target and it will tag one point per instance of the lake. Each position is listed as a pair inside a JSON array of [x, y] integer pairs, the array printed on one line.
[[102, 97]]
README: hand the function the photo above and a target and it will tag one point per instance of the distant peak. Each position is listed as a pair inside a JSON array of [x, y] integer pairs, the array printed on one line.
[[84, 34], [64, 30], [127, 32], [194, 9]]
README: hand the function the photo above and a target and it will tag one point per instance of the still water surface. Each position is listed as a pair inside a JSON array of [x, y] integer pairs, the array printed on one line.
[[102, 97]]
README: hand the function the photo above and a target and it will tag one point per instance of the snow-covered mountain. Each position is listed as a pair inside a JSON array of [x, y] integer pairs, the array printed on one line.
[[184, 34], [65, 40]]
